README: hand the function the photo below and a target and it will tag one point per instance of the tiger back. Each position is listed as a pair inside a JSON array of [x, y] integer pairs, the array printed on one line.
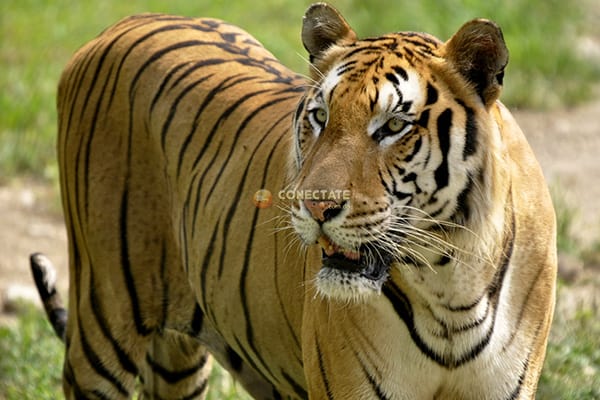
[[167, 127], [435, 267]]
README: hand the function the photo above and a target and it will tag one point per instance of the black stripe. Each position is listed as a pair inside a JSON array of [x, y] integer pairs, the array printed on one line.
[[183, 237], [234, 359], [462, 214], [373, 100], [299, 390], [196, 190], [495, 286], [89, 137], [132, 46], [141, 328], [345, 67], [444, 123], [404, 310], [165, 282], [509, 242], [278, 291], [478, 348], [517, 390], [197, 392], [206, 262], [432, 94], [366, 50], [227, 83], [173, 109], [157, 55], [444, 260], [401, 71], [406, 105], [68, 377], [96, 362], [470, 131], [374, 384], [250, 361], [392, 78], [197, 321], [466, 307], [322, 370], [194, 67], [299, 109], [100, 315], [88, 147], [389, 187], [475, 323], [163, 84], [173, 377], [243, 283], [423, 119], [522, 310], [242, 125], [224, 115]]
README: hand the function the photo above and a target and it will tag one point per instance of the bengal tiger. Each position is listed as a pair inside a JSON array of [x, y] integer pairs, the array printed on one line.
[[435, 273]]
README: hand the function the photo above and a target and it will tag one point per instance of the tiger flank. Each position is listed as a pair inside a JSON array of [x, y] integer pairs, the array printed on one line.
[[408, 251]]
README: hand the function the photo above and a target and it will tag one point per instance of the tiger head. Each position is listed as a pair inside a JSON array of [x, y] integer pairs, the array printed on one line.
[[393, 147]]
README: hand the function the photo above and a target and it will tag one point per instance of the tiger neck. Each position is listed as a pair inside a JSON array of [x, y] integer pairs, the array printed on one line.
[[463, 276]]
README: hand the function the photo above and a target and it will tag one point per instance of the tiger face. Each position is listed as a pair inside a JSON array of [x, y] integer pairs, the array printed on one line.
[[396, 125]]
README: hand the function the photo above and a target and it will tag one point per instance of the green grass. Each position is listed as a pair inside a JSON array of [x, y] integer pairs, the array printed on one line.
[[31, 359], [37, 38], [572, 367]]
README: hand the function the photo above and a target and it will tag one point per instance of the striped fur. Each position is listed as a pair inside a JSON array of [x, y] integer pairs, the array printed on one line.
[[437, 230]]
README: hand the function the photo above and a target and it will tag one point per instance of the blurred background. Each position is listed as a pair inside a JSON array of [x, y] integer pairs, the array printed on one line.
[[552, 84]]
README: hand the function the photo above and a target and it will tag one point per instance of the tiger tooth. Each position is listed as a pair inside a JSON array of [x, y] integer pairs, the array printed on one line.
[[331, 248], [326, 244]]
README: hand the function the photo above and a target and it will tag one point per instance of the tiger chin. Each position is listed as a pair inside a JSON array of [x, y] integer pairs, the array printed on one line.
[[428, 263]]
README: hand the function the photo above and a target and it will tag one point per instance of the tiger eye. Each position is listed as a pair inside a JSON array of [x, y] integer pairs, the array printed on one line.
[[321, 115], [395, 124]]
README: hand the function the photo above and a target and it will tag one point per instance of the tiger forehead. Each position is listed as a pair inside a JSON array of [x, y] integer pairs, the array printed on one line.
[[391, 87], [366, 65]]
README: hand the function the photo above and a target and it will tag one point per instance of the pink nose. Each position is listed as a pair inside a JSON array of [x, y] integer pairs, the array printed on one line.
[[323, 210]]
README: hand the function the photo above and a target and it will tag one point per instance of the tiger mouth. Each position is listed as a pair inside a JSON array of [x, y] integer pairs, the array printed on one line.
[[354, 263]]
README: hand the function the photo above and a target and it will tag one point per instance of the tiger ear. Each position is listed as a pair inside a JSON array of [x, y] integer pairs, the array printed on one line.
[[323, 26], [479, 54]]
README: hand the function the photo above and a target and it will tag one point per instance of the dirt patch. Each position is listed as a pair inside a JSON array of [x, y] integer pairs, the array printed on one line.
[[30, 221], [567, 145]]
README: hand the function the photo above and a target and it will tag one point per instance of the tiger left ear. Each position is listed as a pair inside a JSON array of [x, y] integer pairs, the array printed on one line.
[[322, 27], [479, 54]]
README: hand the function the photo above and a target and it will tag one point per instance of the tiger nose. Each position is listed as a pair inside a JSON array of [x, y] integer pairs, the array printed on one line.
[[323, 210]]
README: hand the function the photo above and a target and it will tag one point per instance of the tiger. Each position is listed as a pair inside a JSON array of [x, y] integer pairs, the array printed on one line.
[[407, 250]]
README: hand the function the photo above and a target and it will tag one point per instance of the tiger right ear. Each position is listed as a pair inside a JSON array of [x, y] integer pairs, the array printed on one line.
[[479, 53], [322, 27]]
